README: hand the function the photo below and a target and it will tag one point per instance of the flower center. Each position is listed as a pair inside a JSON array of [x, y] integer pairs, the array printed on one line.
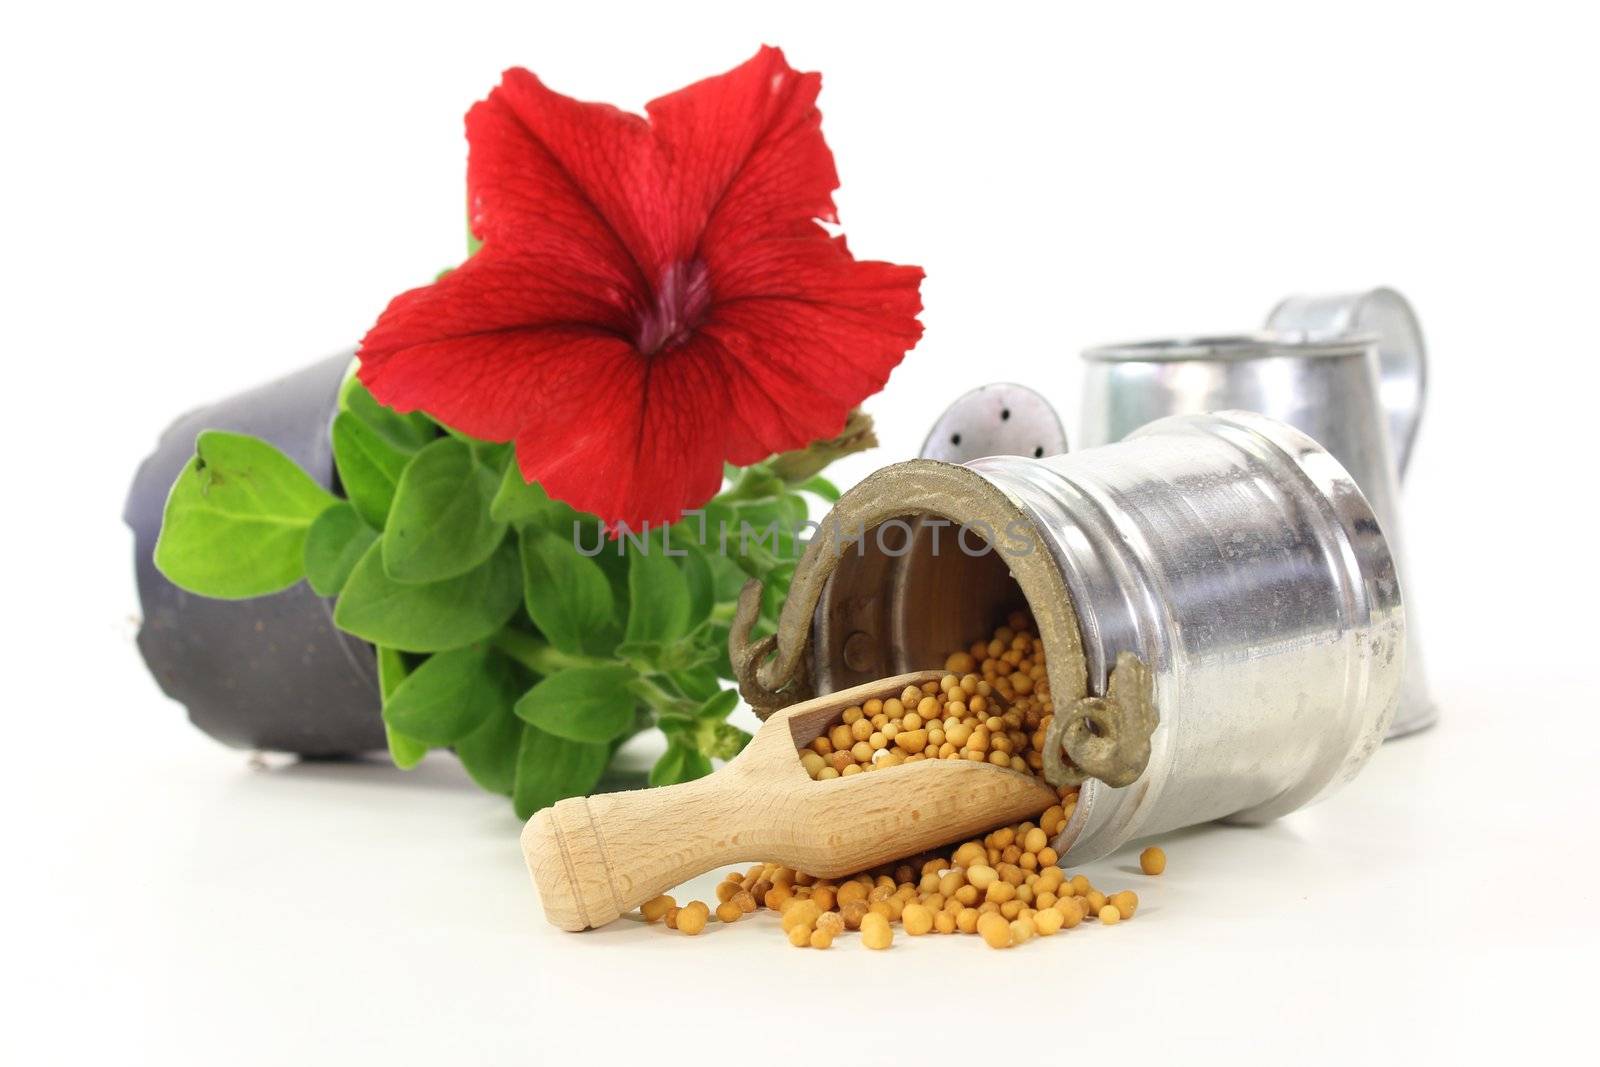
[[682, 299]]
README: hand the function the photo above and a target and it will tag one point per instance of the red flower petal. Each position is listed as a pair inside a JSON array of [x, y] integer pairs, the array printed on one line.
[[577, 182], [635, 440], [747, 157], [808, 332], [480, 348]]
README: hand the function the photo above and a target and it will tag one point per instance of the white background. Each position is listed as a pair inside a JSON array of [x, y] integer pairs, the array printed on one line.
[[199, 198]]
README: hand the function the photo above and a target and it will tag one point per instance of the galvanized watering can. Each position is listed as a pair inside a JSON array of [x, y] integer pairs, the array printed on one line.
[[1347, 368]]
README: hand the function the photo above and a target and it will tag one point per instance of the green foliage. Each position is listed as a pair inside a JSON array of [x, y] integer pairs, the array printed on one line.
[[369, 465], [451, 695], [658, 596], [568, 596], [680, 763], [820, 487], [551, 768], [236, 520], [429, 616], [517, 501], [439, 525], [507, 626], [703, 732], [337, 540], [407, 432], [490, 752], [582, 703], [406, 752]]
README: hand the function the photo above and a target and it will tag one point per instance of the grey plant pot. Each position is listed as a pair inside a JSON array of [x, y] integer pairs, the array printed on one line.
[[271, 672]]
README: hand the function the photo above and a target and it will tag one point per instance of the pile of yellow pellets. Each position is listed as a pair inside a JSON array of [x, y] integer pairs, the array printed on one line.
[[992, 706], [1005, 887]]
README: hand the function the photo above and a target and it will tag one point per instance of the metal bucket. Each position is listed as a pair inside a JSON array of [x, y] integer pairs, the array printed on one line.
[[1232, 554], [1348, 369]]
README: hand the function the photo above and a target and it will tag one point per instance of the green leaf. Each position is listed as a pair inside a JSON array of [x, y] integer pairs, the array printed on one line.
[[664, 657], [392, 670], [406, 432], [704, 730], [643, 656], [681, 762], [721, 740], [551, 768], [439, 525], [369, 465], [712, 736], [658, 595], [451, 695], [489, 753], [581, 703], [820, 487], [770, 535], [335, 543], [406, 752], [432, 617], [721, 666], [775, 591], [718, 707], [756, 481], [697, 576], [609, 560], [236, 520], [729, 577], [494, 455], [697, 683], [676, 727], [795, 511], [567, 595], [521, 502]]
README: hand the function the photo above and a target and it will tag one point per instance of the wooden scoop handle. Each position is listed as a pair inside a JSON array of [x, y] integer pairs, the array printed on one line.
[[596, 858]]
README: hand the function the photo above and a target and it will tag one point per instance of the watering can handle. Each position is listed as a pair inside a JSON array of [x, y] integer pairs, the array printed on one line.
[[1386, 316]]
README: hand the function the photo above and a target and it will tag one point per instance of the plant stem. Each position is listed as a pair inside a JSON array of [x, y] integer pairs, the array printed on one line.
[[541, 657], [661, 701]]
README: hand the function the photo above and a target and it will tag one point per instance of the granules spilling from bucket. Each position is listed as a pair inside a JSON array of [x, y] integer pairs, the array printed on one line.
[[981, 887], [992, 706]]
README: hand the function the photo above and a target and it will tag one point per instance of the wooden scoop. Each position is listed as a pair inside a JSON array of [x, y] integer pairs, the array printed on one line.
[[594, 858]]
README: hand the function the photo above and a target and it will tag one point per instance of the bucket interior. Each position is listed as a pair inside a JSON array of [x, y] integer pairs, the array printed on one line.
[[904, 601], [913, 590]]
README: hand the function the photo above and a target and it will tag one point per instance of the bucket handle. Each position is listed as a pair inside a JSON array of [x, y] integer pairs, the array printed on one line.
[[1108, 738], [775, 671], [1386, 316]]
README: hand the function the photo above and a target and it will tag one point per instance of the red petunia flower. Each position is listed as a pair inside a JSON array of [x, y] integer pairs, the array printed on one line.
[[653, 297]]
